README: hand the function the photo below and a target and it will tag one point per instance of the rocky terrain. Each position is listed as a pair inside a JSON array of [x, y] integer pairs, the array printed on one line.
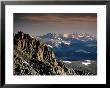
[[86, 67], [32, 57]]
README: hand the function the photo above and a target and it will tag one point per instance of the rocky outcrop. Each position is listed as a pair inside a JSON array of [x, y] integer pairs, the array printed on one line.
[[31, 57]]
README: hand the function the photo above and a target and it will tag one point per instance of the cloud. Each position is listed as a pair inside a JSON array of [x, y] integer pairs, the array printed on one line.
[[62, 18], [56, 22]]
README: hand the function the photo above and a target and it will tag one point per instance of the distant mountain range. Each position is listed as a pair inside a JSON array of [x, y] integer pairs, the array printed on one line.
[[70, 47]]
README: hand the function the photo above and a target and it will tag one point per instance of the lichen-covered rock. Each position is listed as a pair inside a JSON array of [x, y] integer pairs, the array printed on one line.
[[31, 57]]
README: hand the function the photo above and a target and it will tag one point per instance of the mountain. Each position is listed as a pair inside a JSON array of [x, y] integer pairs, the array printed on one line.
[[32, 57], [71, 47]]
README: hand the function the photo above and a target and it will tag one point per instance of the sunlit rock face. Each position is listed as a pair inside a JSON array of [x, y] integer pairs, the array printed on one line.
[[32, 57]]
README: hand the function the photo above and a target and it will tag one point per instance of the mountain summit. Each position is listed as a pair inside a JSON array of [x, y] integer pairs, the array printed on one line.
[[32, 57]]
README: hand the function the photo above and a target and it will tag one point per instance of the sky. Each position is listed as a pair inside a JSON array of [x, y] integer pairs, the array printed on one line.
[[61, 23]]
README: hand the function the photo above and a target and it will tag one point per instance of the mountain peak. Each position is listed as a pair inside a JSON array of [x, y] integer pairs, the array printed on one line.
[[31, 57]]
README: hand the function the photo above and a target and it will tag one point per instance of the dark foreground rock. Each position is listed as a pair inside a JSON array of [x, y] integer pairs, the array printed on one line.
[[31, 57]]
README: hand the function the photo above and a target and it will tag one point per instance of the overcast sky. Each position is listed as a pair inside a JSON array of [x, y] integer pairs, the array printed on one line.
[[42, 23]]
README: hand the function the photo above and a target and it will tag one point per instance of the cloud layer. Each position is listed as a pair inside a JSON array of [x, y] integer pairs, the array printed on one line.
[[52, 22]]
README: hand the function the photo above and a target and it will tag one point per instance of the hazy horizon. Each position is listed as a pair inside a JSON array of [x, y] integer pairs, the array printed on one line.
[[59, 23]]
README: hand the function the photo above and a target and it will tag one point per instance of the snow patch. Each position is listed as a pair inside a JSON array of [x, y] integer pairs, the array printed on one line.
[[67, 61], [86, 62], [25, 62], [66, 42], [50, 46]]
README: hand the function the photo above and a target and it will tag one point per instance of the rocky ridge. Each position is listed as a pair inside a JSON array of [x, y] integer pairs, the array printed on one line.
[[32, 57]]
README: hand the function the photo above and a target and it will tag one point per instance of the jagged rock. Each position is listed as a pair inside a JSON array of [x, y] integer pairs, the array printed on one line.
[[31, 57]]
